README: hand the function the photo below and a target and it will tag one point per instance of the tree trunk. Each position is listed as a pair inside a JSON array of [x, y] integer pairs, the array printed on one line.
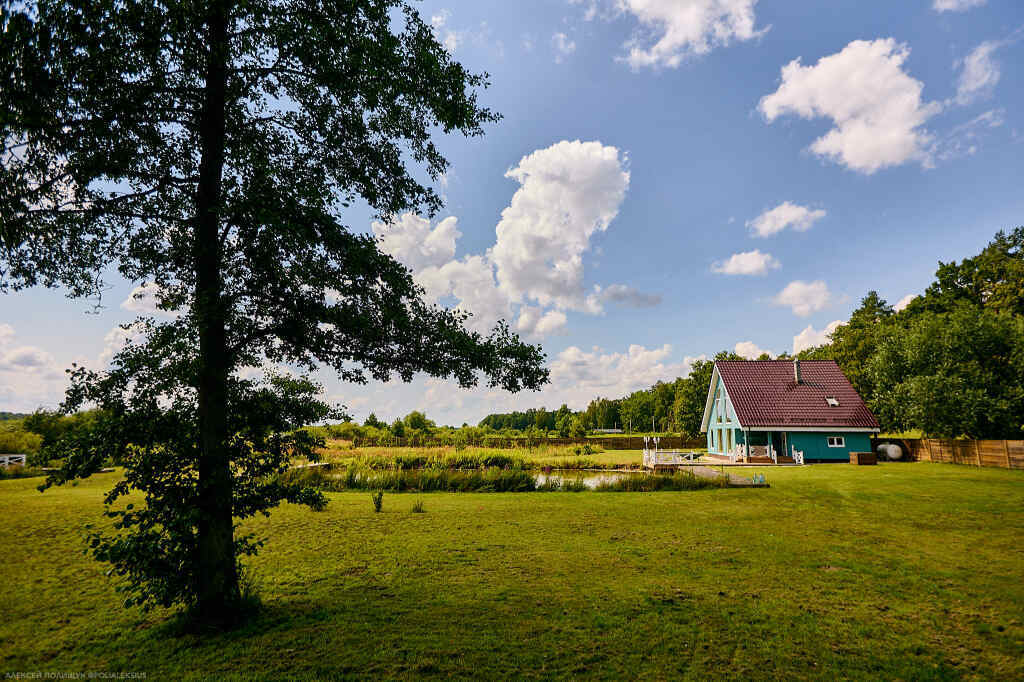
[[218, 591]]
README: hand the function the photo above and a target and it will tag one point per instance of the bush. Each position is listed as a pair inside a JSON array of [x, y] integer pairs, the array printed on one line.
[[378, 500], [417, 507]]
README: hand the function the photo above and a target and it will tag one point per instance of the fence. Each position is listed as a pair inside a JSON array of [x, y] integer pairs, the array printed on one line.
[[493, 441], [1004, 454]]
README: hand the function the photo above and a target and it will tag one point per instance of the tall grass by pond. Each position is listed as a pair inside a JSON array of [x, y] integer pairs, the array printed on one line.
[[485, 480], [555, 457]]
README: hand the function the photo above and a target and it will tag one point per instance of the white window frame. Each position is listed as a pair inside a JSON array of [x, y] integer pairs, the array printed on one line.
[[837, 441]]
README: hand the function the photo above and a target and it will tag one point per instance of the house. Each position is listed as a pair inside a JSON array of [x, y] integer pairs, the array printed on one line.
[[785, 411]]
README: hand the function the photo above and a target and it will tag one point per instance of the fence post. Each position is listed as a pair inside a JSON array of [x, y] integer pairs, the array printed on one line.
[[1006, 453], [977, 454]]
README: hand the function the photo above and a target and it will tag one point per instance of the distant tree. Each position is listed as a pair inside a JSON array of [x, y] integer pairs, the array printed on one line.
[[398, 429], [959, 373], [418, 421], [994, 279], [372, 420], [208, 149], [854, 342]]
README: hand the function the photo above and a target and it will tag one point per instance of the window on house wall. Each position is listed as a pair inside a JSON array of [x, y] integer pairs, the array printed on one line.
[[836, 442]]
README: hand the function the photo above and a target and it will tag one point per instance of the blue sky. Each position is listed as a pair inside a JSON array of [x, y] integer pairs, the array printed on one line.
[[671, 178]]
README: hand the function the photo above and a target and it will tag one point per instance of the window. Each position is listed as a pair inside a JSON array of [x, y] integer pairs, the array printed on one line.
[[832, 402], [836, 442]]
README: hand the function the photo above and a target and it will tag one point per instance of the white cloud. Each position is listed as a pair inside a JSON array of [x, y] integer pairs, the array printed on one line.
[[672, 30], [746, 263], [750, 350], [30, 377], [956, 5], [569, 192], [804, 298], [786, 214], [471, 282], [412, 242], [448, 37], [979, 72], [536, 322], [534, 271], [875, 106], [627, 296], [563, 46], [904, 302], [578, 376], [811, 337], [143, 300]]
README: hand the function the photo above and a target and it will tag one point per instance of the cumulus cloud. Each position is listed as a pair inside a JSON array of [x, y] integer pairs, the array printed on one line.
[[672, 30], [577, 375], [956, 5], [804, 298], [534, 321], [563, 46], [30, 376], [786, 214], [875, 106], [413, 242], [627, 296], [811, 337], [143, 300], [568, 192], [750, 350], [904, 302], [746, 263]]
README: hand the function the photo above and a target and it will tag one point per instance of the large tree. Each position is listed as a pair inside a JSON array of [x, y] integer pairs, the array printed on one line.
[[209, 149]]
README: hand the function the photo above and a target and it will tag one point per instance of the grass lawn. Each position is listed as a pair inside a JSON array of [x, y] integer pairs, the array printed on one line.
[[895, 571]]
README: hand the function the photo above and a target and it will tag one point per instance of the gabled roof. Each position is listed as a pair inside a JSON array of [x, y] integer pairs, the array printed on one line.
[[764, 393]]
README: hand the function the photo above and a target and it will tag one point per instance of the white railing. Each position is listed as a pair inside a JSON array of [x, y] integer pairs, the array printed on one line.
[[798, 455], [11, 460], [654, 457]]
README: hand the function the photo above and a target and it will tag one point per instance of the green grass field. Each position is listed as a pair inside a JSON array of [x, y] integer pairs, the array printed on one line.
[[912, 571]]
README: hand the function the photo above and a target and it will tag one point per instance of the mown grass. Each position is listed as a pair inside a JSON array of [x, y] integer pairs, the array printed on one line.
[[909, 571]]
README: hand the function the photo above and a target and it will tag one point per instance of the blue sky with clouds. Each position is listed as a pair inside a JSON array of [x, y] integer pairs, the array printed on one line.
[[671, 178]]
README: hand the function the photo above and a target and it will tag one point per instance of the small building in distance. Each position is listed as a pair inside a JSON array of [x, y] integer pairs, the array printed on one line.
[[785, 411]]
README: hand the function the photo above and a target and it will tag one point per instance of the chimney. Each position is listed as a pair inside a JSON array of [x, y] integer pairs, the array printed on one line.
[[796, 372]]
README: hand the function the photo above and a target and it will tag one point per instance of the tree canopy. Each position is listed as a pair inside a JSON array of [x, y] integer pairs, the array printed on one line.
[[209, 150]]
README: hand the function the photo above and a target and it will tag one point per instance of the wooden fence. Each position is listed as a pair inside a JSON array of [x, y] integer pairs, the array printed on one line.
[[494, 441], [1004, 454]]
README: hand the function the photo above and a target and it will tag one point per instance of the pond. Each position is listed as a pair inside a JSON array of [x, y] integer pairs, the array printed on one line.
[[591, 479]]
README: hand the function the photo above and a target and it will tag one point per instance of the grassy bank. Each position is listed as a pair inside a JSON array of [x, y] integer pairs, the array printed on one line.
[[490, 480], [557, 457], [910, 571]]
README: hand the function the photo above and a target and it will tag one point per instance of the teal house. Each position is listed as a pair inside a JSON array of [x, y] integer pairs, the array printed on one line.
[[785, 411]]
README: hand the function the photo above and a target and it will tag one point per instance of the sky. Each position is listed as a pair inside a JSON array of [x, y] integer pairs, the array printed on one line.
[[670, 178]]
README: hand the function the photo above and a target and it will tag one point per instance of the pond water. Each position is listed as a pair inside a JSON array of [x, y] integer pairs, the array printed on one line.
[[591, 479]]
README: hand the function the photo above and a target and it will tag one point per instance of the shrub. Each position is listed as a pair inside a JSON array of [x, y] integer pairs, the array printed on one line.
[[378, 500], [417, 507]]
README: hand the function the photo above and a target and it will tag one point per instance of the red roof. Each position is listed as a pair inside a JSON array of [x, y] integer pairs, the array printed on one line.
[[765, 393]]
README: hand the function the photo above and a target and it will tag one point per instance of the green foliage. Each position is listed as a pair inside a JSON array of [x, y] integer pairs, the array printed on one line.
[[950, 363], [378, 500], [417, 507], [952, 374], [16, 440], [154, 433], [208, 149]]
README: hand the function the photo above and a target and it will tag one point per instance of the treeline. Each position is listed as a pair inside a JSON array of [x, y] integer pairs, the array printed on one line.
[[952, 362], [949, 364]]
